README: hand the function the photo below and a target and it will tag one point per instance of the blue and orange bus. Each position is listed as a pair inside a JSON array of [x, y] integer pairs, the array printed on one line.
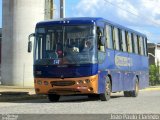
[[88, 56]]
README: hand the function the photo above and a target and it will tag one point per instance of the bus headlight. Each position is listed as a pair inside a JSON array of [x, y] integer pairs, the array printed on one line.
[[39, 82], [80, 82], [87, 81]]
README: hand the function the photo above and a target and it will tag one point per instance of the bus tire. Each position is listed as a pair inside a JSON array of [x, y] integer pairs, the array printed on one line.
[[127, 94], [135, 92], [53, 97], [107, 95], [92, 96]]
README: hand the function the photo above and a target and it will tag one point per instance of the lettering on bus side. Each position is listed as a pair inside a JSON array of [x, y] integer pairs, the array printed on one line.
[[123, 61]]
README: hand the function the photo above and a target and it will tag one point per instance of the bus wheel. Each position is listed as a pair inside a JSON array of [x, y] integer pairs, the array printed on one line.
[[53, 97], [127, 94], [106, 96], [93, 96], [135, 92]]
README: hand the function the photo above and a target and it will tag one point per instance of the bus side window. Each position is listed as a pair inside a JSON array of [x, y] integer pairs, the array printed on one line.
[[100, 39], [129, 42], [135, 43], [141, 46], [145, 46], [124, 40], [120, 40], [139, 49], [109, 41], [132, 41], [113, 38], [116, 38]]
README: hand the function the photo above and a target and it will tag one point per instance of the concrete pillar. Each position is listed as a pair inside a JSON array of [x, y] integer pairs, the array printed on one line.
[[19, 20]]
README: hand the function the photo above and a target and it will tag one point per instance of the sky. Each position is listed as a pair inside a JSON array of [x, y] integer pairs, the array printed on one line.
[[140, 15]]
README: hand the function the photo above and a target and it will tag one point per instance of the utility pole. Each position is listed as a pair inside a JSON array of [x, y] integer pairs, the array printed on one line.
[[62, 8], [48, 9]]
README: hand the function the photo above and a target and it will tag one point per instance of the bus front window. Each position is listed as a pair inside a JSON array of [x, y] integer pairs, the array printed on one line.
[[66, 45], [79, 44]]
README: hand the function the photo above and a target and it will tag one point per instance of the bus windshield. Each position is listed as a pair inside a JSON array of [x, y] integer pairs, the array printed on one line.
[[65, 45]]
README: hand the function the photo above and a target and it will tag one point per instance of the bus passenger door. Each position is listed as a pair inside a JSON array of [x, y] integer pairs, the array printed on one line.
[[102, 73]]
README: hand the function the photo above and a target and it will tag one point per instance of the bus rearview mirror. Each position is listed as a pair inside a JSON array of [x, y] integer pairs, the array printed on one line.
[[29, 46], [30, 43]]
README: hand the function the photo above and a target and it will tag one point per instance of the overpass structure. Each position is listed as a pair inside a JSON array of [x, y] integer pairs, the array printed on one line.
[[19, 20]]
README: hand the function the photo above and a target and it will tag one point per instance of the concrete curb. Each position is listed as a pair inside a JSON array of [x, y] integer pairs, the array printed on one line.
[[152, 89], [15, 93], [10, 98], [15, 87]]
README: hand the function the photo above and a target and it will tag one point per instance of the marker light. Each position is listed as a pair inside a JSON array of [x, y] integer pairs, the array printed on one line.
[[46, 83], [80, 82], [90, 89]]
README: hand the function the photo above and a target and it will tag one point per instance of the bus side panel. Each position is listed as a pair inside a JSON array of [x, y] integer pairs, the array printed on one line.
[[139, 67], [130, 76], [129, 85], [121, 68], [135, 68], [111, 67], [102, 81], [144, 73], [115, 80], [104, 69]]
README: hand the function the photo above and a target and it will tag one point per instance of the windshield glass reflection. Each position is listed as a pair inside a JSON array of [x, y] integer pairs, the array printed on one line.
[[67, 45]]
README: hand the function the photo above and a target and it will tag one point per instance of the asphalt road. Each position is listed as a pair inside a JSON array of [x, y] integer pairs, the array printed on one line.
[[146, 103]]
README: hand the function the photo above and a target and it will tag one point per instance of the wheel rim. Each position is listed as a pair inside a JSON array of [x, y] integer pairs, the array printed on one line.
[[137, 87], [108, 88]]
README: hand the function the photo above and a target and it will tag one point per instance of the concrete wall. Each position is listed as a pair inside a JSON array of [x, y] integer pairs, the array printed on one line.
[[154, 49], [151, 58], [157, 54], [19, 20]]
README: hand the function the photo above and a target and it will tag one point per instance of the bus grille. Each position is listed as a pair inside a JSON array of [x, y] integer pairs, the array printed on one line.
[[64, 91], [62, 83]]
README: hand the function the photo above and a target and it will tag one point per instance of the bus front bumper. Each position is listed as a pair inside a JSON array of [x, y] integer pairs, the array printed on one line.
[[67, 86]]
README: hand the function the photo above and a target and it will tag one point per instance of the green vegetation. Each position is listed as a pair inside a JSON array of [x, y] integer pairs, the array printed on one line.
[[154, 75]]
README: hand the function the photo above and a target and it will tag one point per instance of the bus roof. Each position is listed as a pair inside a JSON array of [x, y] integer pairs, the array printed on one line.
[[85, 20]]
